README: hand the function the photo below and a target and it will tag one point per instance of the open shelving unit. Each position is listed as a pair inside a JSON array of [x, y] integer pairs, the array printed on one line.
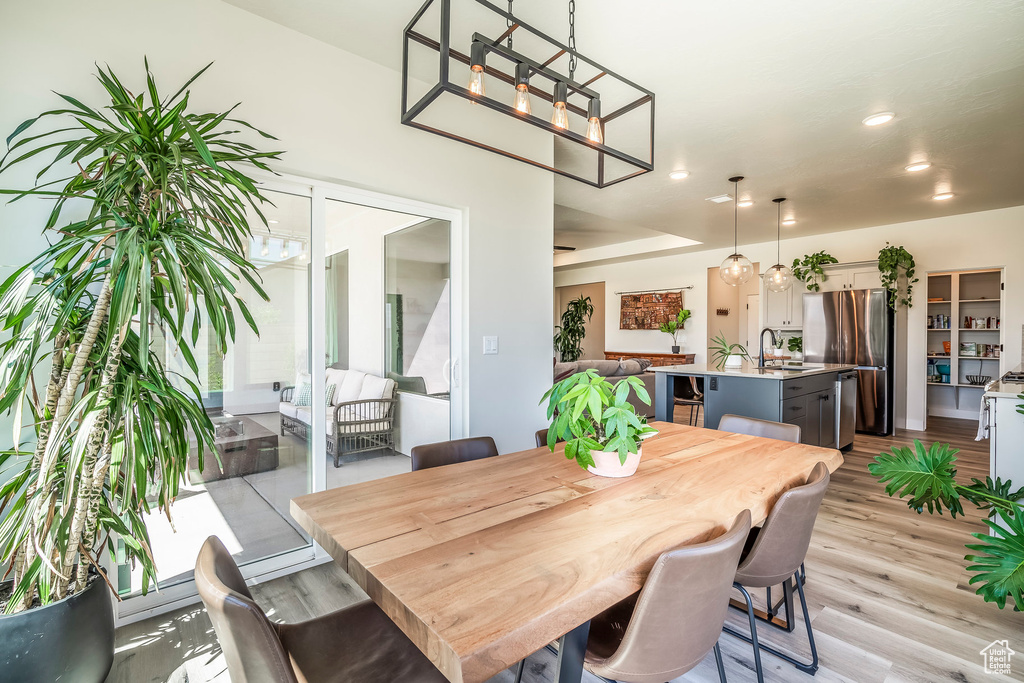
[[962, 294]]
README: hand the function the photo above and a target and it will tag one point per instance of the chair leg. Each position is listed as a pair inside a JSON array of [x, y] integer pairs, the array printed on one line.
[[519, 670], [753, 632], [813, 665], [720, 663], [699, 406], [806, 667]]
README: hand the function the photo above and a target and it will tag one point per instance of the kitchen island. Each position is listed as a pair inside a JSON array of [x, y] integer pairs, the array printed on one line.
[[797, 393]]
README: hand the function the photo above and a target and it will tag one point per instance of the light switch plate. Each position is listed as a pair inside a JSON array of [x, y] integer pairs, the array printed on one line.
[[490, 346]]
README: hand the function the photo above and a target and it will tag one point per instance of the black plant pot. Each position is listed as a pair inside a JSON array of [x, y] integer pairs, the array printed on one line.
[[675, 349], [70, 640]]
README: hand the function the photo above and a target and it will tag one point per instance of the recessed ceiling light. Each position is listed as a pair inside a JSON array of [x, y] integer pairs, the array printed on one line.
[[789, 221], [719, 199], [942, 196], [918, 166], [744, 203], [879, 118], [678, 175], [273, 222]]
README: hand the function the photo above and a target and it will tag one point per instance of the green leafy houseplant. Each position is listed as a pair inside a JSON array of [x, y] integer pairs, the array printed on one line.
[[149, 229], [569, 335], [721, 349], [809, 269], [896, 264], [796, 344], [590, 414], [927, 477], [673, 326]]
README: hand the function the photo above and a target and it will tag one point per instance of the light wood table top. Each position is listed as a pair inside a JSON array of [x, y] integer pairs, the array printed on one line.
[[485, 562]]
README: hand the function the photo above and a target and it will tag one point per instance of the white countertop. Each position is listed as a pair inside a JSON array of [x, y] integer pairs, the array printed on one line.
[[773, 372], [1000, 389]]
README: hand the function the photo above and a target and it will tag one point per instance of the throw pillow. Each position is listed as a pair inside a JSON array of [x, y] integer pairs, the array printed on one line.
[[303, 395], [644, 363], [331, 388]]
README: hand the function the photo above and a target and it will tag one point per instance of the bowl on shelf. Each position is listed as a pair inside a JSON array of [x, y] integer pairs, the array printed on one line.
[[978, 379]]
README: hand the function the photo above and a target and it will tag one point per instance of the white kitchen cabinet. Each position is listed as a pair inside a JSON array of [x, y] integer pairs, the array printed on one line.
[[861, 276], [1006, 434], [784, 309]]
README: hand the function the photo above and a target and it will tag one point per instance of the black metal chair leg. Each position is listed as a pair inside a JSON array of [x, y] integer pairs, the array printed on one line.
[[813, 666], [806, 667], [720, 663], [519, 670], [753, 632]]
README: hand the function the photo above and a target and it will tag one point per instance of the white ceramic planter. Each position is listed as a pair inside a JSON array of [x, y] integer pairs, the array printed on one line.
[[606, 463], [734, 361]]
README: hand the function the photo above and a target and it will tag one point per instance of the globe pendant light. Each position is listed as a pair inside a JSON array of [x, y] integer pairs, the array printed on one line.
[[736, 268], [778, 278]]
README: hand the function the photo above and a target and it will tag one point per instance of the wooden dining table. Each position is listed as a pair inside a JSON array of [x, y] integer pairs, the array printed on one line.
[[483, 563]]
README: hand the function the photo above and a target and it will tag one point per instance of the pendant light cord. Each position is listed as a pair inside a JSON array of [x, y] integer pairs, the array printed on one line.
[[778, 236], [572, 39], [736, 218]]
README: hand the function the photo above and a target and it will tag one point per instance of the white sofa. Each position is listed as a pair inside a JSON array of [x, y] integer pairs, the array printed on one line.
[[359, 418]]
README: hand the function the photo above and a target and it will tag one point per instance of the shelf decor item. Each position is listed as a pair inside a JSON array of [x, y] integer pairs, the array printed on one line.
[[809, 271], [896, 267], [736, 268], [674, 326], [726, 355], [778, 278], [569, 335], [151, 224], [927, 478], [575, 96], [600, 427]]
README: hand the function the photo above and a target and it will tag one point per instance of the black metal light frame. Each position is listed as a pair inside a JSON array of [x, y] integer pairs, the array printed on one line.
[[495, 47]]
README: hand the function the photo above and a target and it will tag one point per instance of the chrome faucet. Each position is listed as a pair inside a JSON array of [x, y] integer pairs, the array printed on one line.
[[775, 342]]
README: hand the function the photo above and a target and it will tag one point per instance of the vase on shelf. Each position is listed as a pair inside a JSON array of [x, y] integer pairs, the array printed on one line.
[[675, 349]]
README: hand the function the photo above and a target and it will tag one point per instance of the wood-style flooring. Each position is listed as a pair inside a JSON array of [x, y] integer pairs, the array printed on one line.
[[887, 594]]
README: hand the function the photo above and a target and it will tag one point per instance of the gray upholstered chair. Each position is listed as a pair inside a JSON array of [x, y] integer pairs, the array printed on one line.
[[541, 437], [358, 643], [775, 555], [779, 431], [450, 452], [675, 620]]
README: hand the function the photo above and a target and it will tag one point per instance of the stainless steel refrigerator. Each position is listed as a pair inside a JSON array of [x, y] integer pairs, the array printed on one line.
[[855, 327]]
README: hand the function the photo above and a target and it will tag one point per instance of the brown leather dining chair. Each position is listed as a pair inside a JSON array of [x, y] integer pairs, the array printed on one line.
[[357, 643], [541, 438], [774, 555], [764, 428], [644, 640], [450, 452]]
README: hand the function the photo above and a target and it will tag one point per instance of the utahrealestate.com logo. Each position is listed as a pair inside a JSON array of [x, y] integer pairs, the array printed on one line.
[[997, 656]]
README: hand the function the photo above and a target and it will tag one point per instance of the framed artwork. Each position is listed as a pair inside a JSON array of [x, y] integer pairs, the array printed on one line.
[[648, 311]]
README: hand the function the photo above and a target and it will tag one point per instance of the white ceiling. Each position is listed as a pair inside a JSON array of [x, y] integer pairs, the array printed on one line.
[[775, 92]]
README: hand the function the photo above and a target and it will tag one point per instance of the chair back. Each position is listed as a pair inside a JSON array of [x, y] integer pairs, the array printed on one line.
[[680, 611], [541, 437], [686, 388], [450, 452], [763, 428], [252, 648], [781, 545]]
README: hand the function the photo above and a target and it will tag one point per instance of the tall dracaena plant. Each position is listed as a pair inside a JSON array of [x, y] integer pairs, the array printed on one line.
[[149, 232]]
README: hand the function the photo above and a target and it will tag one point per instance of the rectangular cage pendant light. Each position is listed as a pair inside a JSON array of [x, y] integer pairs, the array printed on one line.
[[473, 72]]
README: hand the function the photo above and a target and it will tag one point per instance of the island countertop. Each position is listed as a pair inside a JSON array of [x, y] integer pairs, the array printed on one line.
[[772, 372], [998, 388]]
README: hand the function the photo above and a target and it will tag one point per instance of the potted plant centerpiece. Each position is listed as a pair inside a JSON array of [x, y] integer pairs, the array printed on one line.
[[147, 237], [726, 355], [673, 326], [601, 429]]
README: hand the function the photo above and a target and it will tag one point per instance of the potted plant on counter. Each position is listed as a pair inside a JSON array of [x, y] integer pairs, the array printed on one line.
[[796, 347], [726, 355], [673, 326], [601, 429], [147, 234]]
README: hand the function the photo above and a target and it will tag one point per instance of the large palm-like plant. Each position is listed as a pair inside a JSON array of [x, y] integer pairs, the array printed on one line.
[[149, 233]]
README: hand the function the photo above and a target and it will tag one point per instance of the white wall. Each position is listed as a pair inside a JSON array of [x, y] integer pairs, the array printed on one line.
[[979, 240], [337, 116]]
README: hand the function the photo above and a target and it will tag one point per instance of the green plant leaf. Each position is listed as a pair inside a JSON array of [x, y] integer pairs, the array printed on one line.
[[926, 476], [999, 561]]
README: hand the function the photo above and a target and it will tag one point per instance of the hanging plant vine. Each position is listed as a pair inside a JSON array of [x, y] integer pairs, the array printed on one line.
[[894, 263], [809, 270]]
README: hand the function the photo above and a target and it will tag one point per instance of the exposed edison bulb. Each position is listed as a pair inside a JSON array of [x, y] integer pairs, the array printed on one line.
[[594, 130], [560, 117], [284, 253], [265, 250], [736, 269], [521, 99], [476, 80], [778, 278]]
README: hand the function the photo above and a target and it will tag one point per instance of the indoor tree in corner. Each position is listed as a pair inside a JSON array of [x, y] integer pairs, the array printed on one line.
[[148, 232]]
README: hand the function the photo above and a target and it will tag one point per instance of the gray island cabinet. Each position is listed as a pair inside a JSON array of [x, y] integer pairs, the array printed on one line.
[[803, 395]]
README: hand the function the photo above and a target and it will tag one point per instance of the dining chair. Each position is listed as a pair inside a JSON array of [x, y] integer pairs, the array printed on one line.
[[644, 639], [774, 555], [450, 452], [357, 643], [779, 431], [688, 394]]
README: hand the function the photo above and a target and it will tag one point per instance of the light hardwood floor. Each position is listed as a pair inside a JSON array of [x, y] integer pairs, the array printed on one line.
[[887, 594]]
